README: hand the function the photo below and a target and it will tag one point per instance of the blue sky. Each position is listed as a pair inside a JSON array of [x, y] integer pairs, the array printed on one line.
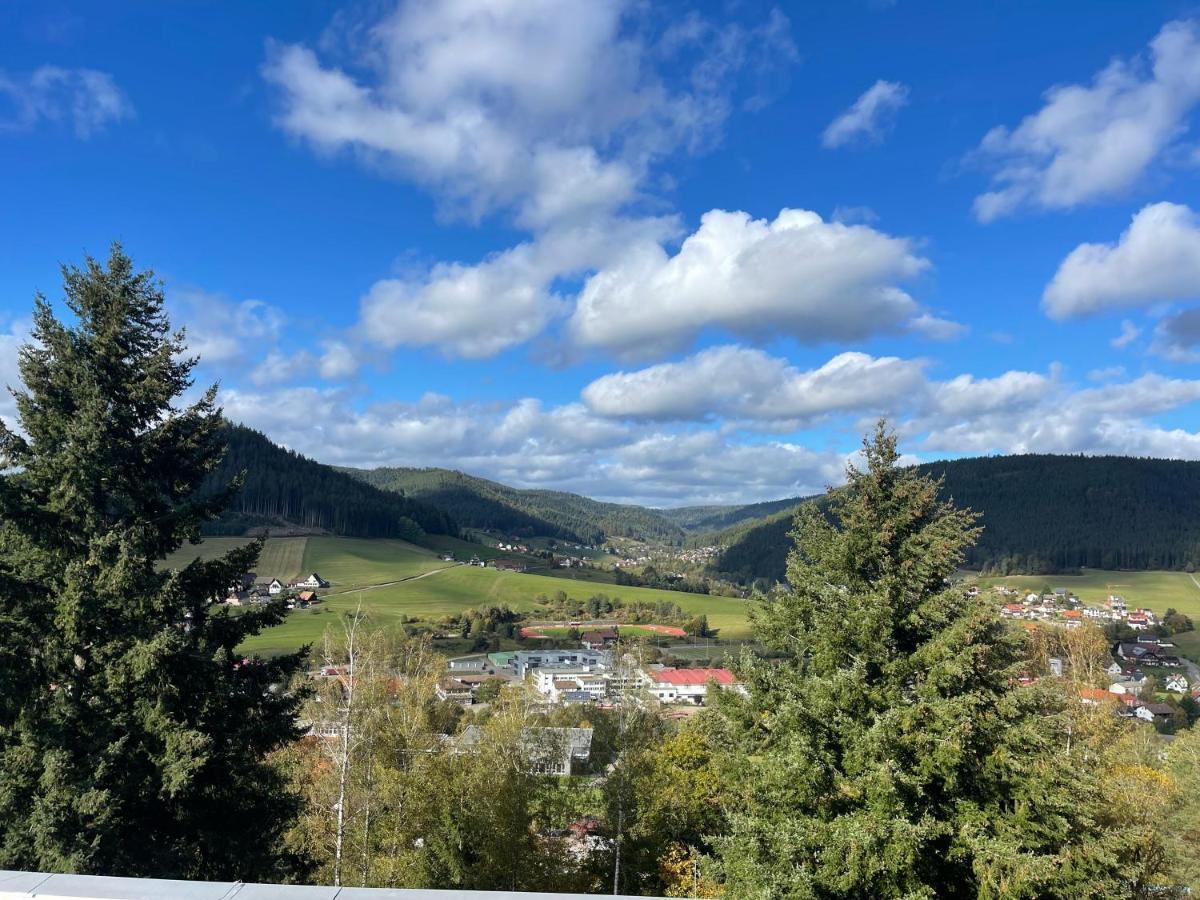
[[665, 253]]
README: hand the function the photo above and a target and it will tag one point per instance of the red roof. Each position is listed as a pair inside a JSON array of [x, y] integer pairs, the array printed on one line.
[[692, 676]]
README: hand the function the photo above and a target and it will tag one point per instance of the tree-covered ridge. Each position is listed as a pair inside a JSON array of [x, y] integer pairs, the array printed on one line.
[[1041, 513], [478, 503], [703, 519], [284, 488]]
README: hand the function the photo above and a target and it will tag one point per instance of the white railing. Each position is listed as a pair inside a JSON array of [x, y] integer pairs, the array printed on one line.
[[44, 886]]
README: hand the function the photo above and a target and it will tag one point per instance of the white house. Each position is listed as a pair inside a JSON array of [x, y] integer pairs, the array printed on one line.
[[312, 582], [1177, 683]]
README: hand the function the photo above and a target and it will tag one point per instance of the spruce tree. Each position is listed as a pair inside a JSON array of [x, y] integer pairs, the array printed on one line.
[[888, 752], [133, 735]]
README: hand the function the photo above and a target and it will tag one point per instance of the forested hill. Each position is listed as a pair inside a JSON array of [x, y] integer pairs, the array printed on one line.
[[1040, 514], [715, 518], [285, 489], [478, 503]]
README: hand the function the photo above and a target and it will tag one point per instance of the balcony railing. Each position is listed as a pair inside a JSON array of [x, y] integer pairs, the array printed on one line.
[[21, 885]]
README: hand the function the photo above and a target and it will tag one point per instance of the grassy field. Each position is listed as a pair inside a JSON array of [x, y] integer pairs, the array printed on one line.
[[281, 558], [352, 566], [1154, 590], [348, 563]]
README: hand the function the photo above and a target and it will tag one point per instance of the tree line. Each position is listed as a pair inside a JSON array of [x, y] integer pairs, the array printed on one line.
[[1041, 513], [280, 487], [479, 503]]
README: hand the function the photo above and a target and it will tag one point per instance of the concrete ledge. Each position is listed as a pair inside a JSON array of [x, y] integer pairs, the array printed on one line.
[[45, 886]]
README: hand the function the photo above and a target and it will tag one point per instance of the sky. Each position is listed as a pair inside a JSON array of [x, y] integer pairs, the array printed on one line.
[[664, 253]]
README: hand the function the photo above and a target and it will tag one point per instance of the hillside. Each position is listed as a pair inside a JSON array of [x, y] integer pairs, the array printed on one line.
[[478, 503], [1040, 513], [701, 519], [285, 490]]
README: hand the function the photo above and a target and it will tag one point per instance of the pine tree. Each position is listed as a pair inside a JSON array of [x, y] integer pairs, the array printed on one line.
[[133, 736], [888, 753]]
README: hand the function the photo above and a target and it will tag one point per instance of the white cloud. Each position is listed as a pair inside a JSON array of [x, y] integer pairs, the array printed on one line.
[[85, 99], [339, 360], [740, 383], [1129, 334], [476, 311], [10, 375], [571, 447], [1095, 141], [220, 330], [1157, 259], [551, 108], [869, 118], [798, 275]]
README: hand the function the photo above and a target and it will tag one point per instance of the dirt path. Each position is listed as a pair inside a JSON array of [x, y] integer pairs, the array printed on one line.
[[371, 587]]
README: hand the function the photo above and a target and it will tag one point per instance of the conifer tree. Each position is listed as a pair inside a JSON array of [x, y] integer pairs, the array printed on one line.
[[133, 736], [889, 752]]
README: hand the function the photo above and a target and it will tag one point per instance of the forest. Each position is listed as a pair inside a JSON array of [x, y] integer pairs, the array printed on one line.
[[478, 503], [284, 489], [1041, 514]]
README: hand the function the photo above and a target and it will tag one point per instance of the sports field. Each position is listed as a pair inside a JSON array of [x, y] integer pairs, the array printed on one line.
[[1153, 590], [393, 578]]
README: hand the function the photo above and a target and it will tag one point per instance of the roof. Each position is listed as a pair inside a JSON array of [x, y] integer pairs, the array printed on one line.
[[669, 675], [1096, 694]]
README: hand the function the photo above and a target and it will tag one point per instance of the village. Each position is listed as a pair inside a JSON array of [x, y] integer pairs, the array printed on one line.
[[1143, 664]]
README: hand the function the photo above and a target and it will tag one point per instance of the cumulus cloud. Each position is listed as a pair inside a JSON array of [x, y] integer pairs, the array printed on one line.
[[639, 458], [799, 275], [1156, 259], [870, 117], [741, 383], [1093, 141], [220, 330], [478, 310], [85, 99], [552, 109]]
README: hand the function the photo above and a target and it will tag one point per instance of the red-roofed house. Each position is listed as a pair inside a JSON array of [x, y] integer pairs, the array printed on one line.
[[670, 685]]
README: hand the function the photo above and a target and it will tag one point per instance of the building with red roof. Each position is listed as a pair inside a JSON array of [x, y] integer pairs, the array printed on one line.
[[671, 685]]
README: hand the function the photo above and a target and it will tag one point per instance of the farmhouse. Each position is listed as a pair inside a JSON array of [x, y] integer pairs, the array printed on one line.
[[508, 564], [272, 586], [312, 582]]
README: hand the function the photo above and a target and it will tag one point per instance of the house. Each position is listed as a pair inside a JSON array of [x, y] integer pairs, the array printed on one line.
[[599, 640], [508, 564], [468, 664], [671, 685], [307, 598], [455, 690], [1012, 610], [1176, 683], [1158, 713], [548, 751], [1094, 696], [312, 582], [272, 586]]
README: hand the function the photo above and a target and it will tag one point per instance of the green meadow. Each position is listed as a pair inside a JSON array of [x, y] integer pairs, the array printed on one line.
[[281, 558], [1153, 590], [391, 579]]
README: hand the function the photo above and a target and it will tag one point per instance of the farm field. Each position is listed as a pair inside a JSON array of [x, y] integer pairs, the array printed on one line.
[[353, 566], [281, 557], [1154, 590], [348, 563]]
